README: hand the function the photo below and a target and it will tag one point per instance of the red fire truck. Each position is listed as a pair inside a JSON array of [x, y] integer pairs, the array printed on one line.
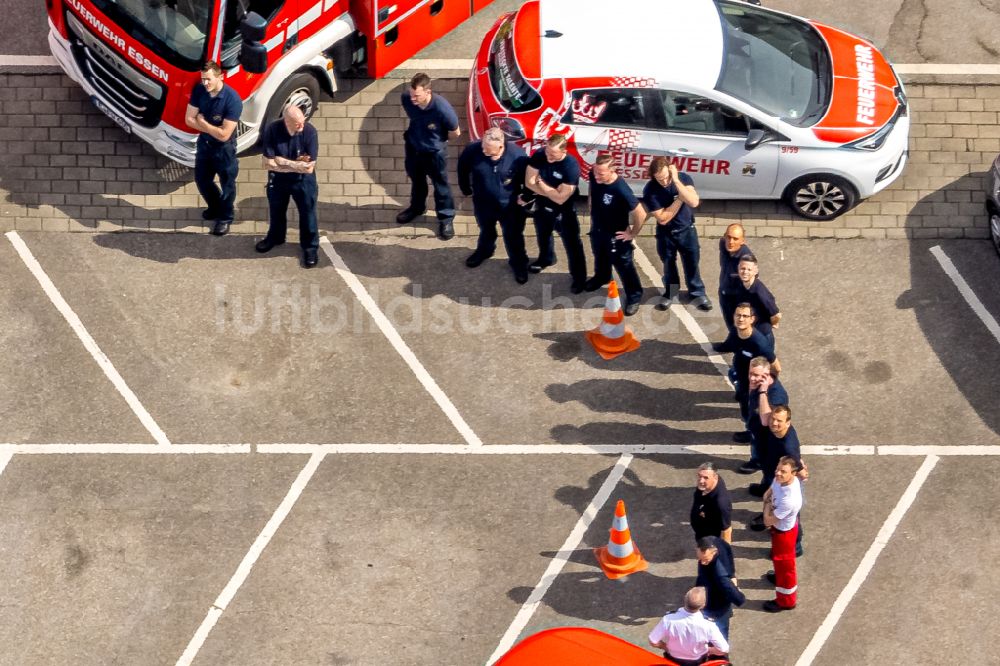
[[140, 59]]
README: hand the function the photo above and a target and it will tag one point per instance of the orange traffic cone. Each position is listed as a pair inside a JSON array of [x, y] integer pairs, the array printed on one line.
[[620, 557], [612, 337]]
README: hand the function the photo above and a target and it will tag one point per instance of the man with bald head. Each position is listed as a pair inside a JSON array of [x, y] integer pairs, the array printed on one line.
[[687, 637], [732, 248], [291, 146]]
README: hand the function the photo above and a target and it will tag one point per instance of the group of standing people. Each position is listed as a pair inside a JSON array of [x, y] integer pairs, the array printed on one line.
[[290, 148], [507, 186], [700, 630]]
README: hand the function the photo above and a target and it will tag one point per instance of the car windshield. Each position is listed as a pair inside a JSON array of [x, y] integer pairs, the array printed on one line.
[[776, 63], [508, 85], [168, 27]]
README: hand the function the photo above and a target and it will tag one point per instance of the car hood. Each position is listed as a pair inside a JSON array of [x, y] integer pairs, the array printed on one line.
[[864, 96]]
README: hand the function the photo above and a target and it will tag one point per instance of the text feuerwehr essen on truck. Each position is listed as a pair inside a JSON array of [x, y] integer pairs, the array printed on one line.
[[139, 59]]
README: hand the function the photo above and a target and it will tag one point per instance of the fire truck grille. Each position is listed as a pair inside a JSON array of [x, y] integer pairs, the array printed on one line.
[[132, 94]]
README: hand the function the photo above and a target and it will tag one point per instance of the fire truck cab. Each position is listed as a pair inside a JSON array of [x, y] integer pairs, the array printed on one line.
[[139, 59]]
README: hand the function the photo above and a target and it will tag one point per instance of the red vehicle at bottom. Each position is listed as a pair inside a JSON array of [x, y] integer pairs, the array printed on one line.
[[582, 646]]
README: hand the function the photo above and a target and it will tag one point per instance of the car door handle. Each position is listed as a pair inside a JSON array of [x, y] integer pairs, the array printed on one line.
[[681, 151]]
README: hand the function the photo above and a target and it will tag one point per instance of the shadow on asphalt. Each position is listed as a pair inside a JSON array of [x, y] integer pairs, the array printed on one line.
[[658, 531], [965, 348]]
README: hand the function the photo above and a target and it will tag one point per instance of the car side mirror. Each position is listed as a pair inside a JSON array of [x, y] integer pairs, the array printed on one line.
[[253, 54], [755, 137]]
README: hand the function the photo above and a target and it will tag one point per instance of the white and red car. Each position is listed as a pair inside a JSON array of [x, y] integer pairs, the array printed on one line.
[[753, 103]]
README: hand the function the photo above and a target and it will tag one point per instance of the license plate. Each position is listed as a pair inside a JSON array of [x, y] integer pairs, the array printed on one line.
[[110, 113]]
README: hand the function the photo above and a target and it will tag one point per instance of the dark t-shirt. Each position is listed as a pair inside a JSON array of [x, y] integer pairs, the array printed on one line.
[[744, 350], [554, 174], [493, 184], [226, 105], [610, 205], [761, 300], [716, 577], [278, 143], [656, 197], [710, 514], [729, 278], [777, 447], [428, 130], [776, 395]]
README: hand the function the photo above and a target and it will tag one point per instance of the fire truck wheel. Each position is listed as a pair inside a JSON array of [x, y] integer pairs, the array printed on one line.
[[301, 89]]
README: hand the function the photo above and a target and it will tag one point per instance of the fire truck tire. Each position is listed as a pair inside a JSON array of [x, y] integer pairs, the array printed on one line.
[[820, 196], [300, 89]]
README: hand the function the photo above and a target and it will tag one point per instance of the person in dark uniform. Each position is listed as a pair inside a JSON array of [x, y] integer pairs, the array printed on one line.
[[291, 147], [782, 442], [611, 205], [670, 197], [760, 298], [432, 122], [717, 574], [553, 176], [745, 343], [732, 248], [214, 110], [766, 393], [492, 172], [711, 506]]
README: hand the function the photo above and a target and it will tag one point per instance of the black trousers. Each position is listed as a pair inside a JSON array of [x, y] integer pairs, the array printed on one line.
[[218, 161], [512, 220], [304, 191], [565, 221], [608, 252], [421, 167]]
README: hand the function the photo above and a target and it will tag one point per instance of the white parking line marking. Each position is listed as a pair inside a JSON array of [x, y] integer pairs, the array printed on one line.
[[392, 335], [432, 64], [867, 562], [966, 291], [685, 317], [898, 450], [128, 449], [88, 342], [28, 61], [465, 64], [946, 68], [559, 560], [243, 570]]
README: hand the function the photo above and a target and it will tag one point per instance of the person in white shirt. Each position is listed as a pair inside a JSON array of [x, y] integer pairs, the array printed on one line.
[[686, 637], [782, 503]]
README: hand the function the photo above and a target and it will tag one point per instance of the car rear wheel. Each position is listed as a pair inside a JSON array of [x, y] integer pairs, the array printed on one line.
[[820, 196], [995, 230]]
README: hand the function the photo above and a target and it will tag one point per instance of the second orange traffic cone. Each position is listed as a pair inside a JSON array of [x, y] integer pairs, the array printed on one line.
[[612, 338], [620, 557]]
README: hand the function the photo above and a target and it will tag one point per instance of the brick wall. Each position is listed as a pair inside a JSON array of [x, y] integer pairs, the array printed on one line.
[[67, 167]]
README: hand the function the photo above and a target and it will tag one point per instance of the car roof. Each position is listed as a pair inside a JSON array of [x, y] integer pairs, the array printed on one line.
[[672, 41]]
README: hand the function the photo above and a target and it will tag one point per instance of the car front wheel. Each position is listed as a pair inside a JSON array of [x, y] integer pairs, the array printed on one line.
[[995, 230], [301, 90], [820, 196]]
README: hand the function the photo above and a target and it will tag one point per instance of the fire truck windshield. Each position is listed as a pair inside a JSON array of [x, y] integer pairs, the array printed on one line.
[[171, 28]]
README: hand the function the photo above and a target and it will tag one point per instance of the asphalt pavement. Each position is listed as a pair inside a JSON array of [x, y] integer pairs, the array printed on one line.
[[292, 416]]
